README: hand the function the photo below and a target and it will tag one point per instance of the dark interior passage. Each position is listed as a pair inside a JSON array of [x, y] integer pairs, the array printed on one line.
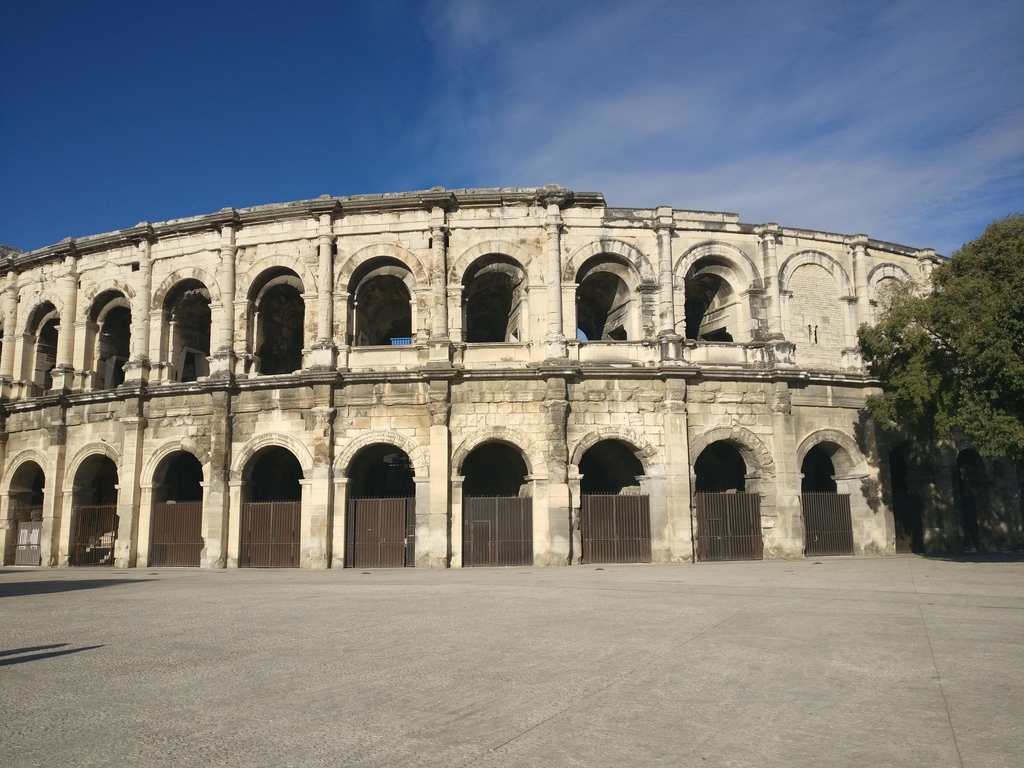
[[188, 311], [492, 296], [719, 468], [281, 323], [275, 475], [494, 469], [602, 307], [609, 466], [818, 471], [382, 470], [382, 311], [179, 478]]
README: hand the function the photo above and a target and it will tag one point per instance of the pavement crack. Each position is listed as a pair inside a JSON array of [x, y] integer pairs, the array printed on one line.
[[938, 678]]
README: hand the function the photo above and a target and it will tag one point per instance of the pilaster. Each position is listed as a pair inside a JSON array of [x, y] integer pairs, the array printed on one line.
[[129, 492]]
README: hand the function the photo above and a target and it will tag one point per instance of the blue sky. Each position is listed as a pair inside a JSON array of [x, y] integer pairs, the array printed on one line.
[[904, 121]]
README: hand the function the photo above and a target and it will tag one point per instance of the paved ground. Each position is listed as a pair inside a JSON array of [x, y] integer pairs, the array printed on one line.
[[900, 662]]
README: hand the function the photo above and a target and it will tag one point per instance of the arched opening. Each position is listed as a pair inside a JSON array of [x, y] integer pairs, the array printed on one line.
[[493, 291], [94, 512], [280, 315], [973, 487], [25, 509], [604, 301], [906, 505], [177, 512], [381, 509], [497, 512], [712, 308], [187, 344], [728, 518], [109, 339], [828, 521], [615, 517], [271, 510], [382, 305], [43, 326]]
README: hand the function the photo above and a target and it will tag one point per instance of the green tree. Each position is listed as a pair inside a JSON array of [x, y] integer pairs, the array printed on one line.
[[953, 357]]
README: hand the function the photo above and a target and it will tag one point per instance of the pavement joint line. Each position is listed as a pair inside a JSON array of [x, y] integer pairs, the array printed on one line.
[[942, 690], [629, 673]]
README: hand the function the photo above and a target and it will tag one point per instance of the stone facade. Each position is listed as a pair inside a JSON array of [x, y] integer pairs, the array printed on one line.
[[366, 336]]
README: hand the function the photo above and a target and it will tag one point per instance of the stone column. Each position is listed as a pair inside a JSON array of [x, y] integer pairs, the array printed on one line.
[[129, 492], [339, 526], [138, 366], [440, 342], [555, 346], [559, 506], [322, 350], [671, 342], [432, 532], [858, 246], [145, 534], [677, 529], [222, 358], [316, 554], [456, 531], [63, 373], [783, 534], [769, 235], [10, 328], [217, 494]]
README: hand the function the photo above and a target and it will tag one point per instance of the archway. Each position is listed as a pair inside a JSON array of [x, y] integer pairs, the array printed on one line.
[[382, 304], [381, 509], [712, 307], [279, 321], [497, 512], [973, 487], [615, 518], [828, 522], [25, 511], [906, 505], [108, 339], [43, 326], [177, 512], [271, 510], [492, 296], [94, 512], [603, 306], [187, 331], [728, 518]]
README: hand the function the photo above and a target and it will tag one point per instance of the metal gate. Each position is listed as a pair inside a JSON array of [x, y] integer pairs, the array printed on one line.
[[497, 530], [381, 533], [93, 533], [729, 526], [270, 534], [906, 512], [615, 529], [29, 533], [828, 525], [177, 535]]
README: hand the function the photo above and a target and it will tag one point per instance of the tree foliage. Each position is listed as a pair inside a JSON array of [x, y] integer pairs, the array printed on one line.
[[952, 357]]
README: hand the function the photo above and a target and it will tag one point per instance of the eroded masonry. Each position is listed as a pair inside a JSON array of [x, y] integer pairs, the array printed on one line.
[[461, 378]]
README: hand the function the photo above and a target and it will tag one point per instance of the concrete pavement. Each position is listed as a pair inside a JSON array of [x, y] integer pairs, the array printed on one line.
[[899, 661]]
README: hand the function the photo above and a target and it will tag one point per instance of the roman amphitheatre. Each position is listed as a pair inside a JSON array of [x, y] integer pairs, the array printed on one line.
[[455, 378]]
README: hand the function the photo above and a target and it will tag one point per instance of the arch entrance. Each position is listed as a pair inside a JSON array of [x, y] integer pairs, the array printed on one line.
[[177, 512], [906, 505], [828, 523], [615, 517], [94, 513], [498, 513], [381, 509], [728, 518], [25, 510], [271, 510]]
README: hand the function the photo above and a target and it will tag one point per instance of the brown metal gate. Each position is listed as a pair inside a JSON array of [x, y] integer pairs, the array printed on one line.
[[906, 512], [381, 532], [27, 552], [615, 529], [177, 535], [729, 526], [497, 530], [270, 534], [93, 533], [828, 525]]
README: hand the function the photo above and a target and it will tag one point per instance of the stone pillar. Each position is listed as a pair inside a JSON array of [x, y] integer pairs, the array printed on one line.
[[432, 532], [233, 523], [64, 372], [858, 246], [339, 526], [316, 552], [218, 493], [671, 342], [456, 531], [322, 355], [769, 236], [555, 346], [573, 479], [222, 358], [10, 328], [783, 533], [559, 506], [677, 534], [129, 492], [439, 342], [138, 366], [145, 534]]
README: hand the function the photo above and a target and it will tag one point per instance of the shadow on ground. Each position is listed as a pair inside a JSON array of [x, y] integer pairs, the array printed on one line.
[[21, 588], [25, 655]]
